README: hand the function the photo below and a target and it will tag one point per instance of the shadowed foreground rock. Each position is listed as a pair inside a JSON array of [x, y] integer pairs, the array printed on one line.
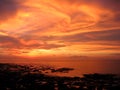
[[21, 77]]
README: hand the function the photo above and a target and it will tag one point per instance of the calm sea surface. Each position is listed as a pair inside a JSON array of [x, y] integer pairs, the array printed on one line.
[[82, 66]]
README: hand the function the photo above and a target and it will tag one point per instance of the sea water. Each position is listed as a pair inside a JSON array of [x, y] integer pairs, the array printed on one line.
[[80, 66]]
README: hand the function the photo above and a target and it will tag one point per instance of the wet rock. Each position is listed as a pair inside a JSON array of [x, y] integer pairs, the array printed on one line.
[[21, 77]]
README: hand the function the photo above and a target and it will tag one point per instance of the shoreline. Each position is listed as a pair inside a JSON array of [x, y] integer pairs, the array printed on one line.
[[21, 77]]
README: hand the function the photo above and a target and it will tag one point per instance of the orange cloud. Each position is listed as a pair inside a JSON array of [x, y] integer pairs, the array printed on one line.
[[9, 9], [59, 26]]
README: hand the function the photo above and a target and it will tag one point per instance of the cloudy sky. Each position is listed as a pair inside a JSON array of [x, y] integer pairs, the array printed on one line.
[[59, 28]]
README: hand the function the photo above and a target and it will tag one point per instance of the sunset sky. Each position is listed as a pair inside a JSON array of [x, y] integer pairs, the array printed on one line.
[[73, 29]]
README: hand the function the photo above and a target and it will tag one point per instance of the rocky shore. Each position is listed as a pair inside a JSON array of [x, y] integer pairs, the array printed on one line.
[[22, 77]]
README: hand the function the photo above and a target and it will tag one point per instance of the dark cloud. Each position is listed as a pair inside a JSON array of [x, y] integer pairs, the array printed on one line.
[[8, 8], [12, 42], [108, 35], [102, 48], [9, 42], [8, 39], [51, 46], [106, 3], [111, 4]]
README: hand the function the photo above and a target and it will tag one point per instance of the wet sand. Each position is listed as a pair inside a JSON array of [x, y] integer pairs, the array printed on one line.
[[23, 77]]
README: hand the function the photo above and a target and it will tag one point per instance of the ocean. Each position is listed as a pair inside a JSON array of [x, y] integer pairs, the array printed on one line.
[[61, 75], [80, 66]]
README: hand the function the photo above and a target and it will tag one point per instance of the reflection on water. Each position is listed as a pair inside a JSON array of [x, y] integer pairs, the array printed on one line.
[[34, 77], [82, 66]]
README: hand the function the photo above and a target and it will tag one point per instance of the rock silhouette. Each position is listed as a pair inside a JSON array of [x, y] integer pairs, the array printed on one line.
[[22, 77]]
